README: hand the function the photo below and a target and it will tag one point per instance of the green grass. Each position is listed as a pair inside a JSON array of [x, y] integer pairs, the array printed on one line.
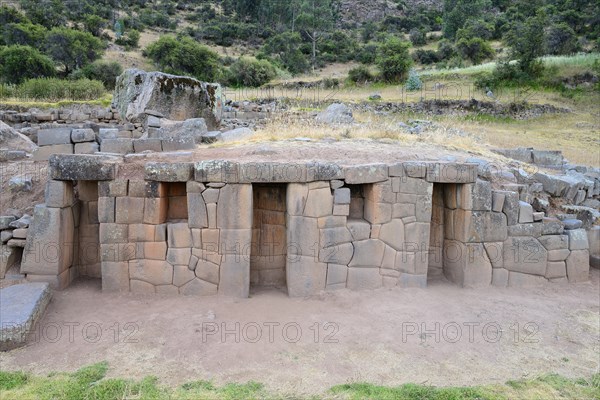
[[90, 383]]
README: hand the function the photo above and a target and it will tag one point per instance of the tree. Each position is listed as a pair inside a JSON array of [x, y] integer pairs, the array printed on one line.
[[284, 50], [184, 56], [19, 63], [25, 34], [417, 37], [103, 71], [72, 49], [252, 73], [94, 24], [50, 13], [561, 39], [475, 49], [315, 19], [526, 41], [394, 61], [458, 12]]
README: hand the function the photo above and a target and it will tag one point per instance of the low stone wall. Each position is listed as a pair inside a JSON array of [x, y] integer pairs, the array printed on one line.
[[64, 115], [191, 227]]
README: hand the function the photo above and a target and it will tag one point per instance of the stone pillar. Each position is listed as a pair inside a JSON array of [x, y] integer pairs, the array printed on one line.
[[49, 251]]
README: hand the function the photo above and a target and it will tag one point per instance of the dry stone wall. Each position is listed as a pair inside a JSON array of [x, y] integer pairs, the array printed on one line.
[[201, 228]]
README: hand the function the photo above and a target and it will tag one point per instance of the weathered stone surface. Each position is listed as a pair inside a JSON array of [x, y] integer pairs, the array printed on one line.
[[92, 167], [336, 275], [46, 152], [525, 212], [479, 226], [182, 275], [337, 254], [47, 137], [115, 276], [558, 255], [498, 201], [578, 239], [129, 210], [155, 210], [319, 203], [495, 253], [151, 271], [49, 248], [511, 207], [141, 287], [392, 233], [475, 196], [234, 279], [531, 229], [236, 134], [82, 135], [500, 277], [234, 210], [174, 97], [377, 213], [117, 146], [449, 172], [8, 257], [578, 266], [5, 221], [86, 148], [360, 229], [572, 224], [518, 280], [305, 276], [467, 265], [370, 173], [179, 235], [198, 287], [59, 194], [193, 128], [21, 223], [555, 242], [412, 281], [336, 113], [177, 256], [556, 269], [207, 271], [367, 253], [198, 215], [526, 255], [333, 236], [168, 172], [341, 196], [22, 306], [364, 278]]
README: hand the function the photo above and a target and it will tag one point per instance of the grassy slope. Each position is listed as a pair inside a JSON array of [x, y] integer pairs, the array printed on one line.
[[90, 383]]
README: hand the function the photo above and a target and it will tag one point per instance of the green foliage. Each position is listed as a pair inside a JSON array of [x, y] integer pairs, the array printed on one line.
[[49, 13], [394, 60], [458, 12], [18, 63], [12, 380], [414, 81], [360, 74], [250, 72], [94, 24], [338, 47], [72, 49], [52, 89], [103, 71], [417, 37], [426, 57], [561, 39], [526, 41], [356, 391], [130, 40], [284, 50], [23, 33], [184, 56], [475, 49], [315, 18], [368, 53]]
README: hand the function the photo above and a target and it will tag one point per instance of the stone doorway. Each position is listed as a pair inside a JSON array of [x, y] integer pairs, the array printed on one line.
[[87, 226], [269, 236]]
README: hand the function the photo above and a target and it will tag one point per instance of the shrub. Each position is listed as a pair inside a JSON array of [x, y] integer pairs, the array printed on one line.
[[251, 72], [360, 74], [184, 56], [130, 40], [52, 89], [417, 37], [368, 53], [18, 63], [445, 50], [414, 81], [285, 50], [561, 39], [103, 71], [393, 60], [475, 49], [25, 34], [426, 57]]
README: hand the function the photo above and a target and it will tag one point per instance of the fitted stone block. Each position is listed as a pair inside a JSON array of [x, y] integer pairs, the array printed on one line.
[[367, 253], [448, 172], [336, 275], [578, 239], [525, 255], [319, 203], [155, 210], [377, 213], [337, 254], [198, 287], [467, 265], [341, 196], [556, 269], [168, 172], [369, 173], [359, 229], [476, 196], [115, 276], [412, 281], [392, 233], [141, 287], [511, 207], [197, 213], [555, 242], [499, 277], [83, 135], [364, 278], [578, 266], [86, 148], [498, 202], [479, 226], [59, 194], [234, 210], [129, 210], [520, 280], [117, 146], [558, 255], [141, 232], [56, 136], [525, 212], [114, 233], [179, 235], [179, 256], [234, 276], [151, 271]]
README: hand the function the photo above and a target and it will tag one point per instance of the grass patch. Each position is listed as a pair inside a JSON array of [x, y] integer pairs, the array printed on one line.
[[54, 90], [104, 101], [90, 382]]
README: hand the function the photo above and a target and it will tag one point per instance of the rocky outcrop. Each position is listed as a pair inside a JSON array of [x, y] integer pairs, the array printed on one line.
[[10, 138], [139, 93]]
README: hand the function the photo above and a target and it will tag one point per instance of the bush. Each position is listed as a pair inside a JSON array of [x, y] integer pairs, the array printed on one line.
[[561, 39], [71, 48], [285, 50], [475, 49], [130, 40], [18, 63], [25, 34], [103, 71], [184, 56], [426, 57], [360, 74], [445, 50], [417, 37], [393, 60], [368, 53], [414, 81], [52, 89], [251, 72]]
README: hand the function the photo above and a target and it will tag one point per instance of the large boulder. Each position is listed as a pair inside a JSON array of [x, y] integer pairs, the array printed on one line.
[[13, 140], [337, 113], [139, 93]]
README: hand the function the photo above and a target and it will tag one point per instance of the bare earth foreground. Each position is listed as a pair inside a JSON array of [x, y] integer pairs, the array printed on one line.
[[375, 336]]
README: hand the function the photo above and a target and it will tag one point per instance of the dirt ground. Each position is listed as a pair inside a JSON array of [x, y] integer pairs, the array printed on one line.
[[308, 345]]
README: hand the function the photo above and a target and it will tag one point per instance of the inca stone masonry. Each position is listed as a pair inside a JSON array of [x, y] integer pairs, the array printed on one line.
[[205, 227]]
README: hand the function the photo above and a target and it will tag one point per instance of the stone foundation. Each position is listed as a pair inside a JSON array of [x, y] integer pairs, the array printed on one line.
[[218, 227]]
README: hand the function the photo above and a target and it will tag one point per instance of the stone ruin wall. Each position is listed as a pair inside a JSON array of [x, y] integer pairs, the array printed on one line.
[[220, 227]]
